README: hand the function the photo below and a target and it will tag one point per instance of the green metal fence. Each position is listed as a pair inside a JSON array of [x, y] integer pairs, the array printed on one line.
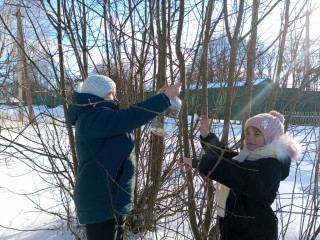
[[307, 103]]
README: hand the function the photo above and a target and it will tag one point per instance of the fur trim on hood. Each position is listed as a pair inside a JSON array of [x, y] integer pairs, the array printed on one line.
[[285, 147]]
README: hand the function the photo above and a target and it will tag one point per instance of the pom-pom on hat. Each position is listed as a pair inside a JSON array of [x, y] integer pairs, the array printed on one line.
[[270, 124], [98, 85]]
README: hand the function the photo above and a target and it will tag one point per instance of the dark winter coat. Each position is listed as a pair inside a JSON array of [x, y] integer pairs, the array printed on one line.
[[253, 188], [106, 155]]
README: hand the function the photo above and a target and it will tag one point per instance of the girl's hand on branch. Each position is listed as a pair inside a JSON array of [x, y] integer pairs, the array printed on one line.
[[204, 125], [185, 162]]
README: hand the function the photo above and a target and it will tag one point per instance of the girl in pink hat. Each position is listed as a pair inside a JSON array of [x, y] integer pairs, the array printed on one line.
[[248, 181]]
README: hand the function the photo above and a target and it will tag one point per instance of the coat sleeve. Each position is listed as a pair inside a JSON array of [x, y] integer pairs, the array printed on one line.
[[254, 179], [212, 145], [106, 122]]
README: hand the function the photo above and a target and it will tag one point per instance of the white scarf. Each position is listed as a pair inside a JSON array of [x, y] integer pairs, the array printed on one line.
[[222, 191]]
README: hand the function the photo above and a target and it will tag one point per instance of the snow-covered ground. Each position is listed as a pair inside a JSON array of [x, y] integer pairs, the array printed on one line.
[[20, 218], [23, 189]]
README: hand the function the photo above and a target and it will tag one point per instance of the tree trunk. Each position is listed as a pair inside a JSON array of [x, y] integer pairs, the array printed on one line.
[[23, 71], [274, 90], [307, 51], [84, 38], [105, 24], [250, 67], [208, 218], [234, 43], [157, 144], [63, 91], [184, 121]]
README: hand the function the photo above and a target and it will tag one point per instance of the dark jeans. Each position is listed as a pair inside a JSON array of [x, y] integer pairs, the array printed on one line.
[[108, 230]]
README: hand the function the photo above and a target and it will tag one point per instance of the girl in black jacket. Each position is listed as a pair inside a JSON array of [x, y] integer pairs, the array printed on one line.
[[247, 183]]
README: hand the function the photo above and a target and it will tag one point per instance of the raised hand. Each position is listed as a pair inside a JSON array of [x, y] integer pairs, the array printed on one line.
[[163, 89], [204, 125], [173, 90]]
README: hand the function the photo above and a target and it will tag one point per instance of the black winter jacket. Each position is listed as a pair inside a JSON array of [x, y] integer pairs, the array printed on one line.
[[253, 188]]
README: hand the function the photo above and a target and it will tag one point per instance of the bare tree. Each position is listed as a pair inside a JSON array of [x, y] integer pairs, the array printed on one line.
[[234, 41], [6, 53], [143, 45], [251, 63], [184, 121]]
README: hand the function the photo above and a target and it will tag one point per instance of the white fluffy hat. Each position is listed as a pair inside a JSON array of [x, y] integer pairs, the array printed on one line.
[[98, 85]]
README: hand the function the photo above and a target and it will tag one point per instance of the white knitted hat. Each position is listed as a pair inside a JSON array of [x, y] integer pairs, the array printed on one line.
[[98, 85]]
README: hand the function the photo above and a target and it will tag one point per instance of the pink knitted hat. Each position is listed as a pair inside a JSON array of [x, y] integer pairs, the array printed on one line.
[[270, 124]]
